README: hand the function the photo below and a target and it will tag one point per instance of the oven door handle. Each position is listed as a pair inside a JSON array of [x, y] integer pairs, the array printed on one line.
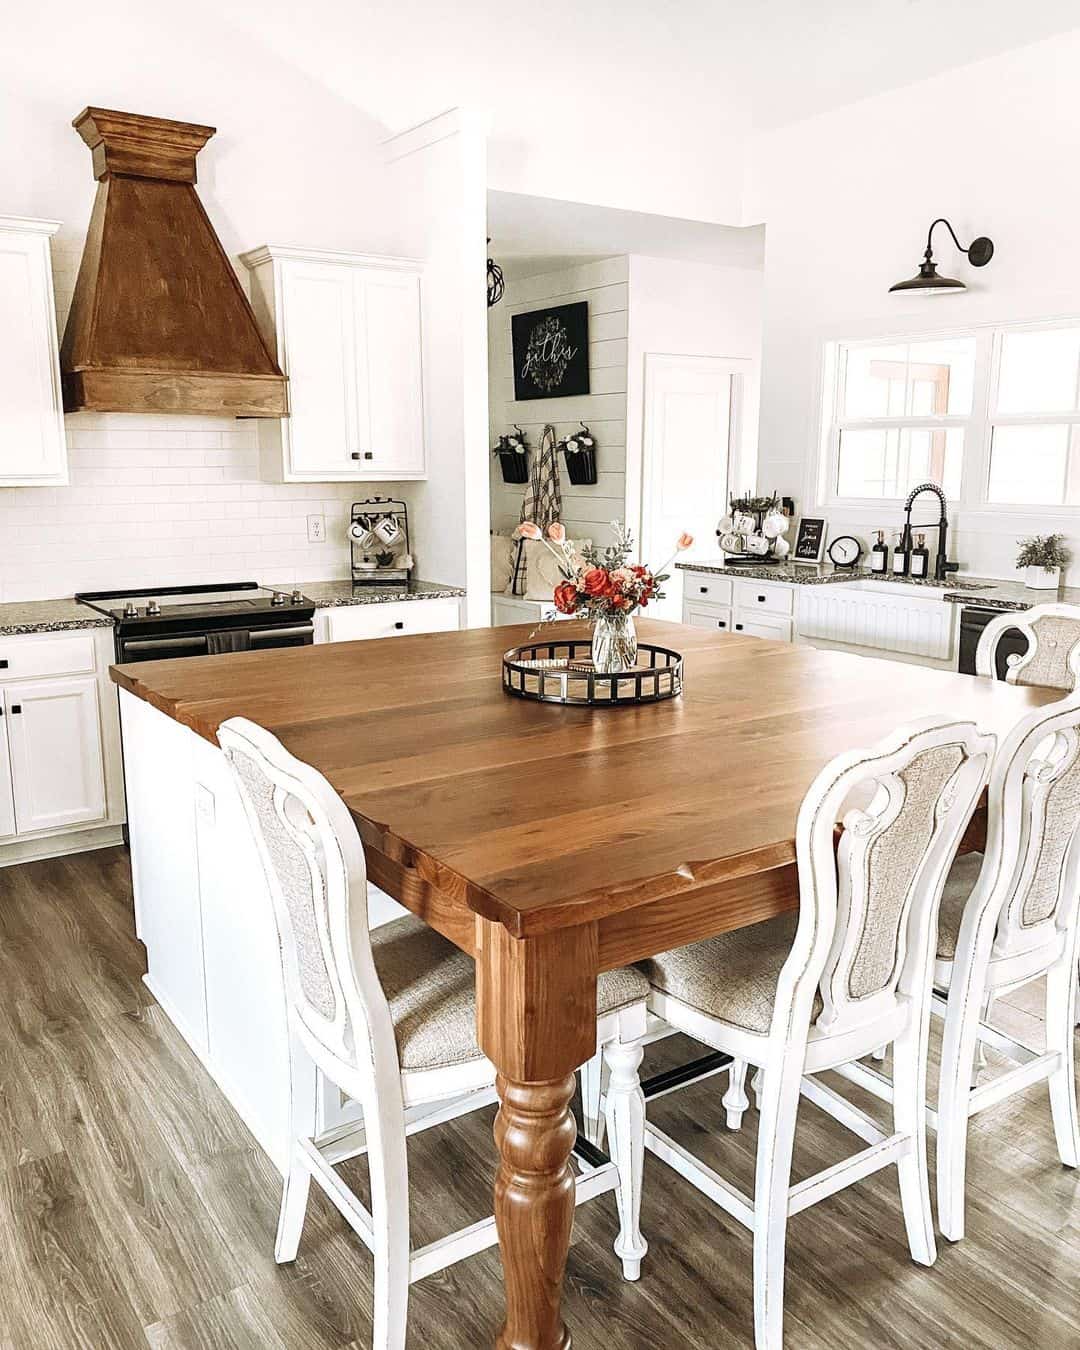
[[161, 644], [299, 630]]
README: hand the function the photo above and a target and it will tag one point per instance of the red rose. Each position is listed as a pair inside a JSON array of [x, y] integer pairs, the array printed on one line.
[[596, 583], [566, 597], [638, 570]]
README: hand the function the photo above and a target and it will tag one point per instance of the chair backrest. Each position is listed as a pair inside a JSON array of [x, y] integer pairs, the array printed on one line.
[[1052, 659], [315, 871], [868, 906], [1030, 878]]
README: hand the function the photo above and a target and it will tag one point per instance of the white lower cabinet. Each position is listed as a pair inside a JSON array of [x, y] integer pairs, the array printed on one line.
[[391, 618], [7, 795], [752, 624], [54, 739], [707, 616]]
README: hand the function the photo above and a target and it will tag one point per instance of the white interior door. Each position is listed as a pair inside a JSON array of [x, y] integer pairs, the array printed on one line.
[[690, 416], [55, 737]]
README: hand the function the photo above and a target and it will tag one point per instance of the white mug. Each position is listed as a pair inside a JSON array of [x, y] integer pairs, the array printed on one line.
[[774, 525], [731, 542], [388, 530], [757, 544]]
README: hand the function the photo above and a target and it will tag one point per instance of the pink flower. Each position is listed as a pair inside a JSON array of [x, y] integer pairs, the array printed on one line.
[[528, 530], [685, 540], [557, 532]]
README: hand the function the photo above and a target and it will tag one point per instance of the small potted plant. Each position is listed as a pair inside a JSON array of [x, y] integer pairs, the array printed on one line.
[[1042, 557], [580, 451], [513, 453]]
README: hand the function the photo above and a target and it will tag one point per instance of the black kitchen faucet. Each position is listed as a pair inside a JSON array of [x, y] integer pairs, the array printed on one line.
[[942, 567]]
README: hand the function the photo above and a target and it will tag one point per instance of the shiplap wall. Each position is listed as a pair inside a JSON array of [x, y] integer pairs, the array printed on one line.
[[587, 511]]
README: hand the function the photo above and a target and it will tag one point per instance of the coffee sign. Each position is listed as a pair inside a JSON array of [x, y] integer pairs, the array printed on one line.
[[551, 352]]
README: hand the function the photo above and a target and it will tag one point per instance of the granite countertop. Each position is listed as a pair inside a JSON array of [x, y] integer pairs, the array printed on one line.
[[331, 594], [986, 592], [47, 616], [61, 616]]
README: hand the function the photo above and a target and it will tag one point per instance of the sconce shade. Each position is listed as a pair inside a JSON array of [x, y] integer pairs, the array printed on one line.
[[927, 282]]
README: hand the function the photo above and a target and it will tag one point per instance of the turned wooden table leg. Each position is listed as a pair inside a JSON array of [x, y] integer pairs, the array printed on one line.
[[536, 1011], [534, 1208]]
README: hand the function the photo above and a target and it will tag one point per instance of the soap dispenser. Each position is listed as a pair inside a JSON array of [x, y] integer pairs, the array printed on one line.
[[919, 564], [900, 556], [879, 554]]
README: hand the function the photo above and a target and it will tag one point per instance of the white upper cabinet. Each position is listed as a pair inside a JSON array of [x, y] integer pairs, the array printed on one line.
[[33, 451], [347, 329]]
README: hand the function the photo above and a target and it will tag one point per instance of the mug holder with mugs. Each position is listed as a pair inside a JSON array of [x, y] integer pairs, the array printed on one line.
[[379, 541]]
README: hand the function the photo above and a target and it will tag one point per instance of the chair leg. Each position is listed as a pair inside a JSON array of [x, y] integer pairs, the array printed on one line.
[[294, 1199], [756, 1086], [735, 1100], [979, 1062], [880, 1053], [626, 1141], [1060, 1020], [779, 1105], [389, 1173], [592, 1090], [909, 1117]]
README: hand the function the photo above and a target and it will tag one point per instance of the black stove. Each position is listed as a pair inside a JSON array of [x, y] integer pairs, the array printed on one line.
[[159, 622]]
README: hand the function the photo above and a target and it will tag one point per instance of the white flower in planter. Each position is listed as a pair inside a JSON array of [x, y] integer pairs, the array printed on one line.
[[572, 446]]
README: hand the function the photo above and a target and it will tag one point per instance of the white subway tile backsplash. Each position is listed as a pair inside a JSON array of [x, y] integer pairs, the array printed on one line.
[[162, 499]]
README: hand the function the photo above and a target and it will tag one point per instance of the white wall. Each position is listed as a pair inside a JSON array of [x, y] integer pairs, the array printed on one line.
[[847, 199], [587, 511], [440, 169]]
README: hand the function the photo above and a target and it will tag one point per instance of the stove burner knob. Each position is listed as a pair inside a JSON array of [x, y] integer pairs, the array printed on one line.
[[153, 610], [297, 597], [279, 598], [130, 610]]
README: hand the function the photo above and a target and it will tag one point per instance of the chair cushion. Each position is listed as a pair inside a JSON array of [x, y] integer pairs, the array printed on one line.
[[731, 977], [430, 986], [958, 887]]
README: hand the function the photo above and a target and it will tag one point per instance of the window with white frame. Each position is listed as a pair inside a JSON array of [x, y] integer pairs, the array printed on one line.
[[1035, 418], [991, 415], [901, 412]]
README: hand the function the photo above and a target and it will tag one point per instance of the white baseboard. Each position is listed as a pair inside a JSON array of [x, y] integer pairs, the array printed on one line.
[[58, 845]]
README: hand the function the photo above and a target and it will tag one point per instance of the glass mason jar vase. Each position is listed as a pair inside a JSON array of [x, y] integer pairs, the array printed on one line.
[[614, 642]]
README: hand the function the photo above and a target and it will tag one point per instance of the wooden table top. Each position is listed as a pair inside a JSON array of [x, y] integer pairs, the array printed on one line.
[[542, 816]]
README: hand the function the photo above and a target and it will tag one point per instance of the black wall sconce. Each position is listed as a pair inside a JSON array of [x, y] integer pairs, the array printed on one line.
[[979, 253], [496, 283]]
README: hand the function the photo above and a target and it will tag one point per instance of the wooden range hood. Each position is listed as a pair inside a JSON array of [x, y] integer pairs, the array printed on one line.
[[159, 322]]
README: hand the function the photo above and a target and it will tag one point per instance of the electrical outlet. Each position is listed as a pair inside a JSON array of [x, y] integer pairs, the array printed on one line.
[[316, 529]]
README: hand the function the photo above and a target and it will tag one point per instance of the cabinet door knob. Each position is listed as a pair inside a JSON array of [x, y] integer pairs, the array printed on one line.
[[16, 708], [721, 623], [738, 628], [369, 454], [355, 454], [400, 624], [761, 599], [3, 663], [704, 590]]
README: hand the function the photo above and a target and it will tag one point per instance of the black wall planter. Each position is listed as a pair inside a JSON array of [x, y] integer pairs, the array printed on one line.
[[515, 467], [581, 466]]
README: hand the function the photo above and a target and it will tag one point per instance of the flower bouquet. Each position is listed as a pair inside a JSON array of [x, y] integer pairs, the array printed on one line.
[[579, 449], [604, 587]]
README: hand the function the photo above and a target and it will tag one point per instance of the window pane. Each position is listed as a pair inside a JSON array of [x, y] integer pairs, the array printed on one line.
[[914, 379], [1035, 466], [1040, 372], [890, 462]]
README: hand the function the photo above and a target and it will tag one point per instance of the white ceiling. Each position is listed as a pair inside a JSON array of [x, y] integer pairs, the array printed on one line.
[[530, 235]]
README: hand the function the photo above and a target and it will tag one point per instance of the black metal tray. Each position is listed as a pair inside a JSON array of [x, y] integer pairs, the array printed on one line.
[[562, 672]]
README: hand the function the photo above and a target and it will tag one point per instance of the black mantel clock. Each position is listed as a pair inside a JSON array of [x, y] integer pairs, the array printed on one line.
[[845, 551]]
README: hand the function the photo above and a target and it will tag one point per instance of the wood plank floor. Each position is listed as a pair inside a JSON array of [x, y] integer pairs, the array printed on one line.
[[135, 1209]]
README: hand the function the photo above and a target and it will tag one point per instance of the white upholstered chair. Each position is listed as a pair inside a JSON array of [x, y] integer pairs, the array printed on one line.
[[1052, 659], [851, 972], [1004, 923], [389, 1016]]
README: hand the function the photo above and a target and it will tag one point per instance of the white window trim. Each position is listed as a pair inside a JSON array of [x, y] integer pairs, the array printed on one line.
[[978, 426]]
